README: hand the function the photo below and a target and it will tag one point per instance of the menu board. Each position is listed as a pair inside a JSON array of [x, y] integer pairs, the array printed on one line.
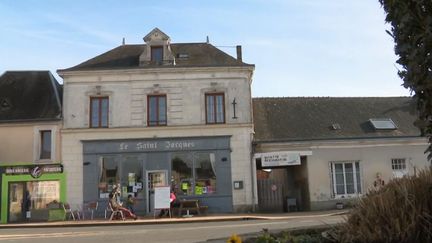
[[161, 197]]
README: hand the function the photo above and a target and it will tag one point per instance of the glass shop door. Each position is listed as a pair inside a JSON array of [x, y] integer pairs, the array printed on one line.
[[18, 202], [154, 179]]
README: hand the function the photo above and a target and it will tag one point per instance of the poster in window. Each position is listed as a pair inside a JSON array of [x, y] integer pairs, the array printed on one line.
[[131, 179]]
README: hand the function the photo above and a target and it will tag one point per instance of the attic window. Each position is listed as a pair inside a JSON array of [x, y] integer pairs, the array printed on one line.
[[183, 55], [157, 54], [383, 124], [5, 104]]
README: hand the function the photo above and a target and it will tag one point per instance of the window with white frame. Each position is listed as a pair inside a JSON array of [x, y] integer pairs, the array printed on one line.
[[346, 179], [399, 167], [44, 143]]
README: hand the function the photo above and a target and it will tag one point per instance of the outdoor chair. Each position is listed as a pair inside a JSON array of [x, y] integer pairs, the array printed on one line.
[[92, 206], [114, 212], [68, 210]]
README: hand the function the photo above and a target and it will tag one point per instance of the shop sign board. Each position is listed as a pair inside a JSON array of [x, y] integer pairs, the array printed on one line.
[[280, 159], [34, 170], [155, 145], [162, 197]]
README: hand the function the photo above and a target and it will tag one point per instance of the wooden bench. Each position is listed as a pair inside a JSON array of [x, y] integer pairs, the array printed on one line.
[[188, 205]]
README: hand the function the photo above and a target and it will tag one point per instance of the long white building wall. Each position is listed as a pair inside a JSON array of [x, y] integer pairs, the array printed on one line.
[[374, 156]]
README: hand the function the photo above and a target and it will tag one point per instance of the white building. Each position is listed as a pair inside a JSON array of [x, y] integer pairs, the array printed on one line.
[[155, 114], [312, 153]]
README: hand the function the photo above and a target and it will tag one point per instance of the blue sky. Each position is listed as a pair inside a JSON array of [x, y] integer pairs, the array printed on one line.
[[300, 48]]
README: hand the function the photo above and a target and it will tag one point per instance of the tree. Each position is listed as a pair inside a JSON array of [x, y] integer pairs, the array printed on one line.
[[411, 29]]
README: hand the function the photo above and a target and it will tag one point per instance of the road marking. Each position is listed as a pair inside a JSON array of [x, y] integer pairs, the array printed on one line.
[[49, 235], [67, 234]]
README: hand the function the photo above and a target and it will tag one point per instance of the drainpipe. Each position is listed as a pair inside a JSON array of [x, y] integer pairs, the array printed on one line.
[[253, 174]]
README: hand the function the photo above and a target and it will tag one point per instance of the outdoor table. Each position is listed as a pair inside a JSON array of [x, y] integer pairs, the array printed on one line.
[[189, 204]]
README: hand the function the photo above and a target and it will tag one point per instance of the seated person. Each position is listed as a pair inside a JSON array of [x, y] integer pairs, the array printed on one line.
[[130, 204], [114, 201]]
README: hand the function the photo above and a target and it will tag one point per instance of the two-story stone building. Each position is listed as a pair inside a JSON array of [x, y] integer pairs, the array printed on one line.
[[160, 113]]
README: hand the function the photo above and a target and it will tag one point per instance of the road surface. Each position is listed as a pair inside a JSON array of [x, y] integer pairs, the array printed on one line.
[[180, 232]]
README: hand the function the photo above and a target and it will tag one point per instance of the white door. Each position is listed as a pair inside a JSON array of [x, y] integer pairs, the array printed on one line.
[[154, 178]]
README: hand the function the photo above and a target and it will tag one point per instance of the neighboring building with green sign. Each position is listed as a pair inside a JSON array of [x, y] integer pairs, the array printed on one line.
[[30, 123]]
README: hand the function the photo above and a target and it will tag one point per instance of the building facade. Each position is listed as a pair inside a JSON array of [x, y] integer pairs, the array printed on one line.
[[330, 150], [159, 114], [30, 159]]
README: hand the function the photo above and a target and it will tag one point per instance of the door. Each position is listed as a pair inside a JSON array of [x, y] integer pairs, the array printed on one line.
[[18, 202], [270, 195], [155, 178]]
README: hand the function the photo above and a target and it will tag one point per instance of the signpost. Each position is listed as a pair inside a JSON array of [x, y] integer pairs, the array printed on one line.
[[162, 199]]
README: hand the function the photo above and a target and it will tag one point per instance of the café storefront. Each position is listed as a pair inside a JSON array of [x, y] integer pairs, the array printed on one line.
[[194, 167], [27, 190]]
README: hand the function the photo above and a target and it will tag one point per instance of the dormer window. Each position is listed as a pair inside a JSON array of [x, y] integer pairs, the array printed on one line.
[[157, 54], [157, 49]]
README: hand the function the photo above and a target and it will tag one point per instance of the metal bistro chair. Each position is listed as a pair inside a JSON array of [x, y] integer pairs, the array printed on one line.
[[113, 212], [68, 210], [92, 206]]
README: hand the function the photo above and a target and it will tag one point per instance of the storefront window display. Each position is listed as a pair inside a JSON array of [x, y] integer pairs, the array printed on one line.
[[32, 195], [193, 173], [43, 192], [127, 174]]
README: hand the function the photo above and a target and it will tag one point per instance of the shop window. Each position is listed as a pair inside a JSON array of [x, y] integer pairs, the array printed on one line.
[[193, 175], [45, 144], [182, 173], [399, 167], [43, 193], [215, 108], [156, 110], [99, 112], [131, 179], [109, 175], [205, 173], [346, 178], [127, 174]]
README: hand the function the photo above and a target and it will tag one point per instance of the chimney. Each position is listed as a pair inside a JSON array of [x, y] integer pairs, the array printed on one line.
[[239, 53]]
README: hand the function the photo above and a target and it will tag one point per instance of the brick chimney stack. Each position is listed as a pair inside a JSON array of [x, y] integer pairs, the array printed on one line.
[[239, 53]]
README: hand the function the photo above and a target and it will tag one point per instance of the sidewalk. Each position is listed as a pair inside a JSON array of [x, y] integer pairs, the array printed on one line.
[[151, 220]]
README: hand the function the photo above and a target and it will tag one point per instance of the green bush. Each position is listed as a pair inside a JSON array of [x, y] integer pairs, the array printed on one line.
[[401, 211]]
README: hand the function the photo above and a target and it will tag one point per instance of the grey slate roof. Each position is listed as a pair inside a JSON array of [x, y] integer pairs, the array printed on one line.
[[311, 118], [127, 57], [29, 96]]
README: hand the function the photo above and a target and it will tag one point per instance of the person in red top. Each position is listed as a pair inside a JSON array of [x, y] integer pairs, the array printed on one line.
[[172, 198]]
